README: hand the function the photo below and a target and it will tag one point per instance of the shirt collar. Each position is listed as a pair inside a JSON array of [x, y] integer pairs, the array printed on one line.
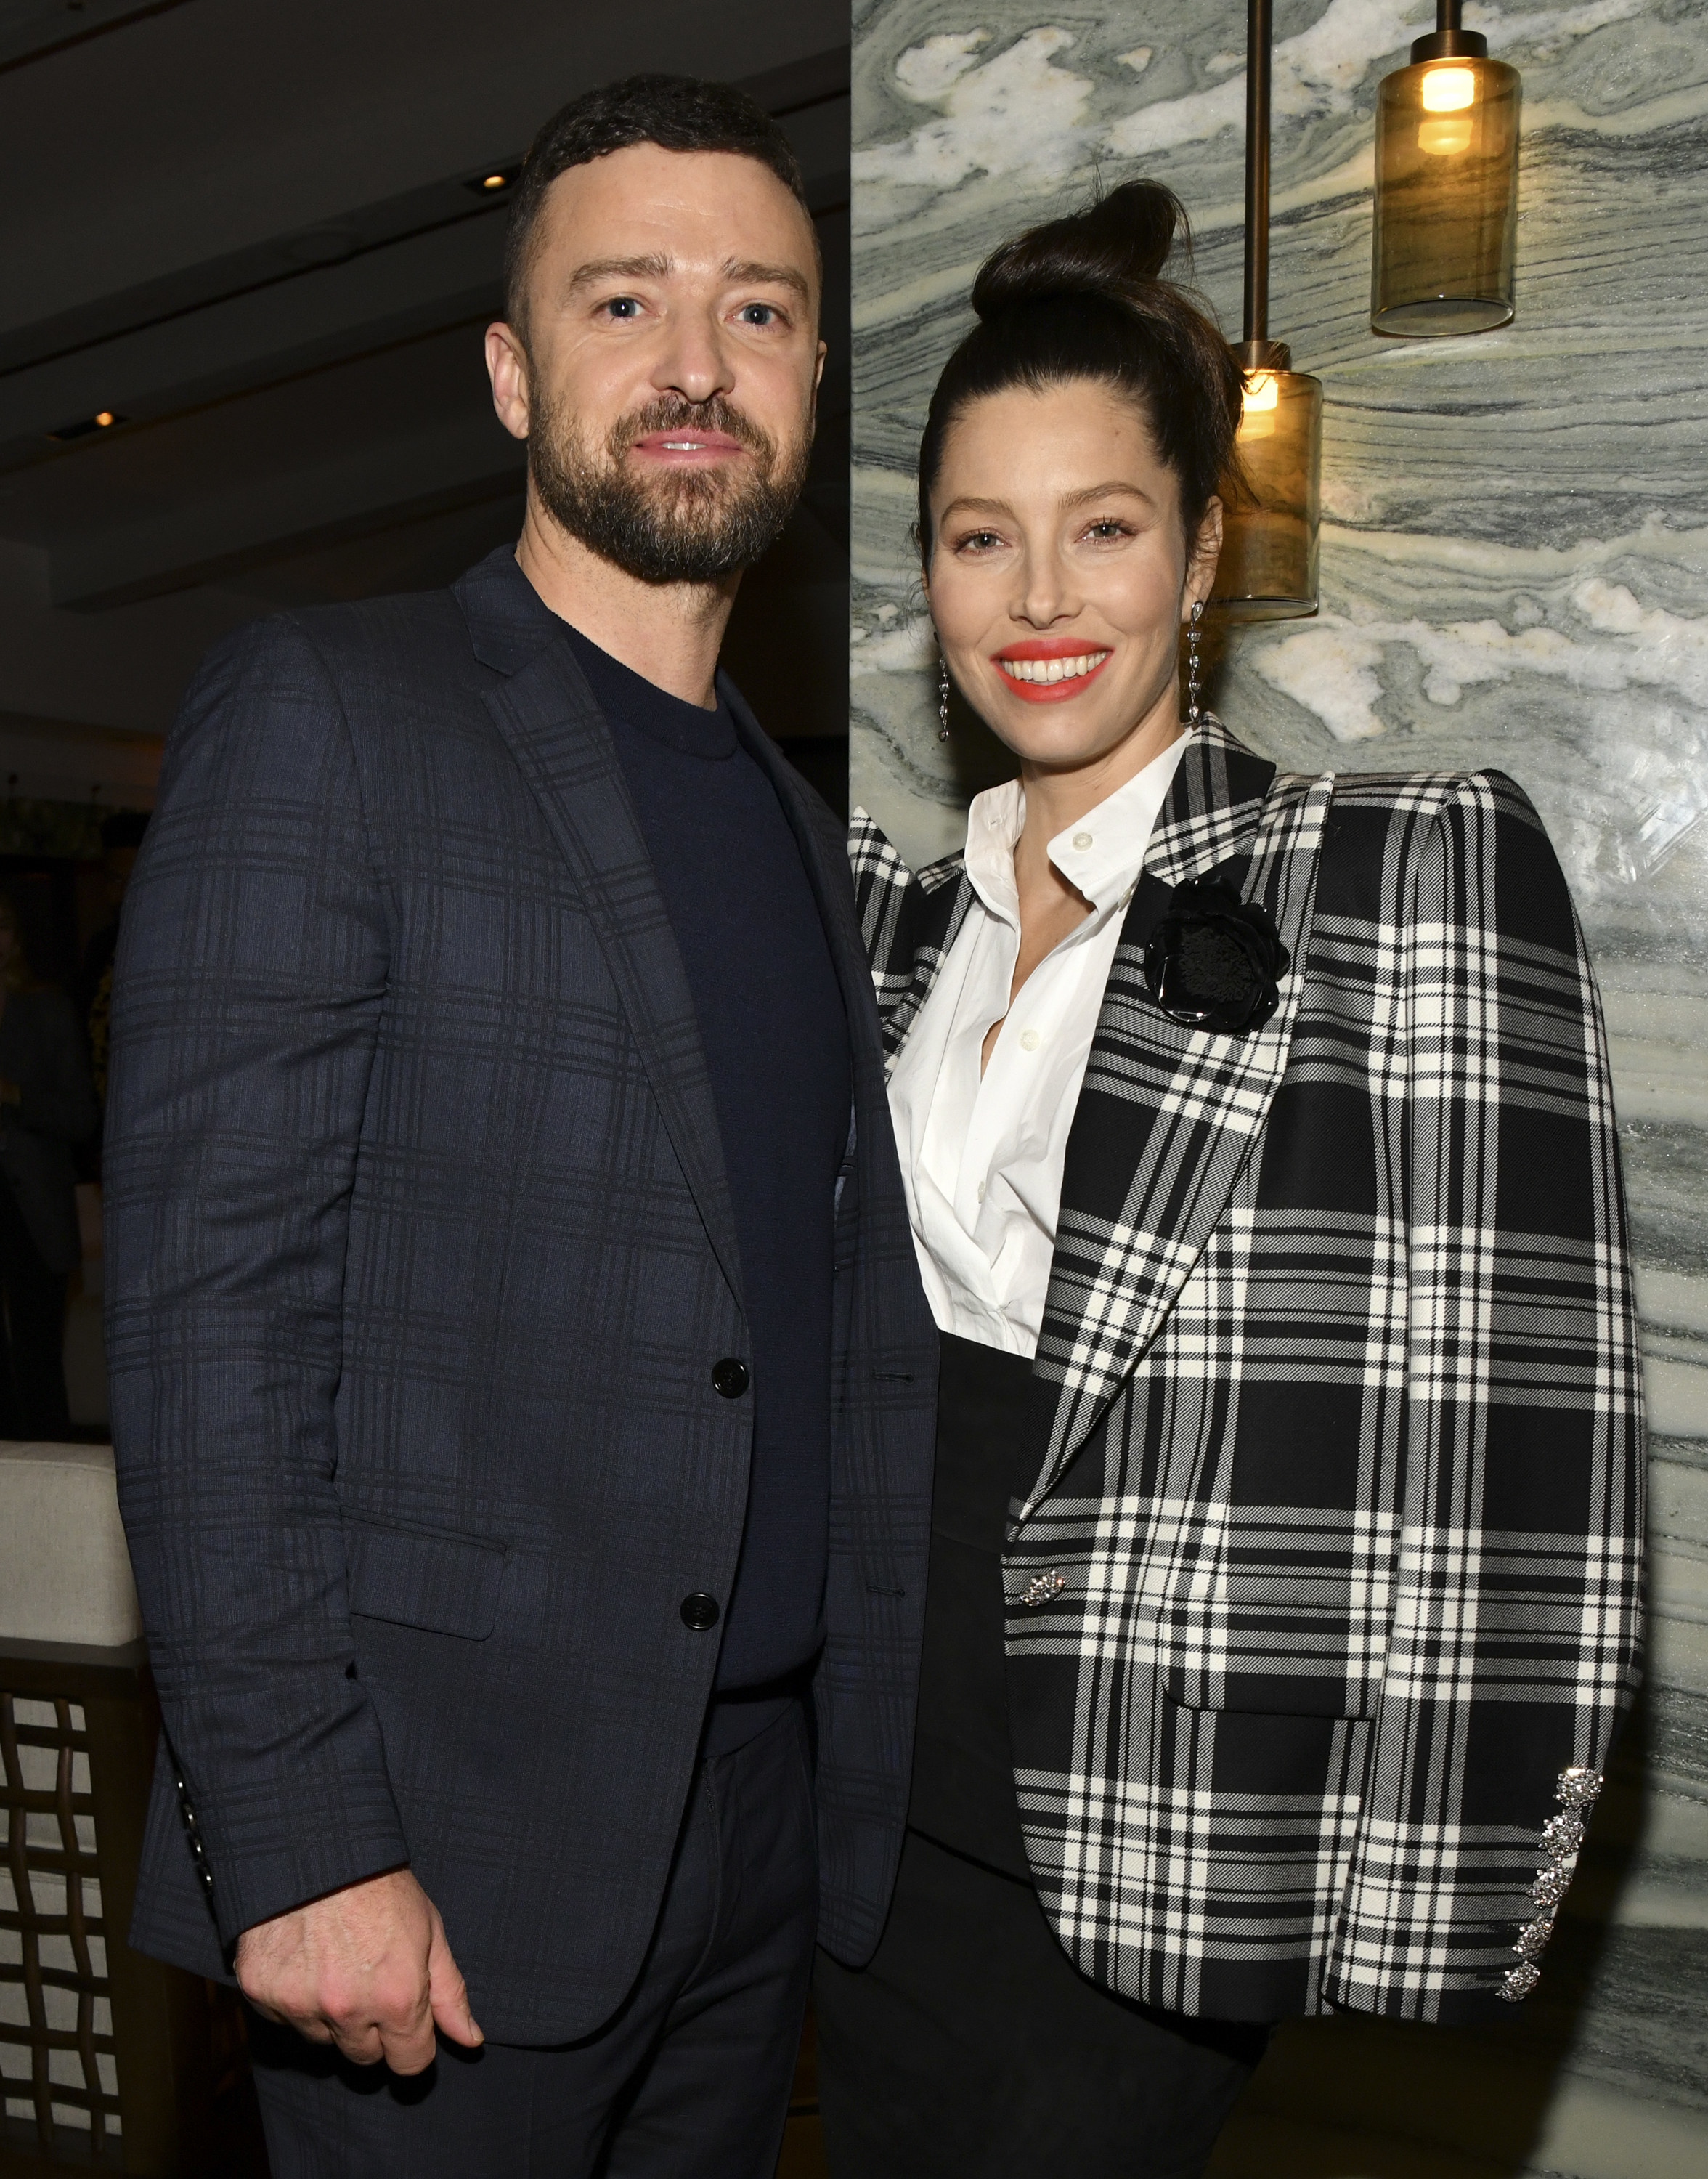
[[1101, 854]]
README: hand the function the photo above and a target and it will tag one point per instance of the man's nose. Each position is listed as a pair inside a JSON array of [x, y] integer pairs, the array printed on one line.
[[692, 361]]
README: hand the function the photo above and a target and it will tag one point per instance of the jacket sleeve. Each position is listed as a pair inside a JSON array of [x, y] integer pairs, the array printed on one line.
[[1515, 1638], [247, 997]]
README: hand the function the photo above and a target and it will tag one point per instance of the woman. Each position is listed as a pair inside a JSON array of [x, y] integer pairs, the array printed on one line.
[[1260, 1158], [45, 1106]]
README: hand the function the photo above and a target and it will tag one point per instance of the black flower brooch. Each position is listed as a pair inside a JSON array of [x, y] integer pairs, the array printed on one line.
[[1214, 961]]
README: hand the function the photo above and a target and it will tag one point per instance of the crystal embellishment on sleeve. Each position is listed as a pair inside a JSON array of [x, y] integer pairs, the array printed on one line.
[[1576, 1791], [1552, 1882], [1578, 1788], [1561, 1836]]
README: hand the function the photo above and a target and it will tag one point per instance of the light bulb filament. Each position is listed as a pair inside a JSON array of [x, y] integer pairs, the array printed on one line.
[[1449, 90], [1258, 404]]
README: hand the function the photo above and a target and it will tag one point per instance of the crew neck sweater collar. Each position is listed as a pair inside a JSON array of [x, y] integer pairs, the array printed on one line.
[[687, 728]]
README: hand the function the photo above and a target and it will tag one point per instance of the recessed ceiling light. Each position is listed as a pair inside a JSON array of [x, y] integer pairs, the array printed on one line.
[[494, 180], [101, 421]]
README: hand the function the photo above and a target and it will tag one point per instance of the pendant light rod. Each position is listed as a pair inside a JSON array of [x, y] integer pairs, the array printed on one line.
[[1258, 27], [1451, 39]]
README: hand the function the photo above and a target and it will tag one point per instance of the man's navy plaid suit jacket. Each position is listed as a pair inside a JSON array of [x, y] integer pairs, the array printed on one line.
[[420, 1255]]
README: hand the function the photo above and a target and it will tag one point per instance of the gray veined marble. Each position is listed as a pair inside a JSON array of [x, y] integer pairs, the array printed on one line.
[[1514, 544]]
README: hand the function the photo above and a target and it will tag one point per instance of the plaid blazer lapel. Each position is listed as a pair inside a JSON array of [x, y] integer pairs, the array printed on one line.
[[557, 734], [909, 919], [1167, 1115]]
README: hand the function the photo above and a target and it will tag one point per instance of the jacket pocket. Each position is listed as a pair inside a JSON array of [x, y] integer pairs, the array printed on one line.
[[442, 1583], [1291, 1615]]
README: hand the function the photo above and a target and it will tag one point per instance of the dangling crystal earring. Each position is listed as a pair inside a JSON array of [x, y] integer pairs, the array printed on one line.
[[942, 698], [1192, 661]]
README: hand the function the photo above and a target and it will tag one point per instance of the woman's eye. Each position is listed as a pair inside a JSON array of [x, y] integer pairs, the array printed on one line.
[[1103, 532], [978, 540]]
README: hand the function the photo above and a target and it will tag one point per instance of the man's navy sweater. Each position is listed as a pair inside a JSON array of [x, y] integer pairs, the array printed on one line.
[[775, 1034]]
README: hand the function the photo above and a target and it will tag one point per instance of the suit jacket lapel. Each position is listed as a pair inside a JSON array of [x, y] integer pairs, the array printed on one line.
[[909, 919], [557, 734], [1167, 1115], [825, 859]]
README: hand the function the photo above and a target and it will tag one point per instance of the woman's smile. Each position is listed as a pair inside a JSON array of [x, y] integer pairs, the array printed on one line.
[[1051, 670]]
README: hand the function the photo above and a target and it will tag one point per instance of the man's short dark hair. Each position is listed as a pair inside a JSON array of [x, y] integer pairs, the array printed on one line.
[[677, 113]]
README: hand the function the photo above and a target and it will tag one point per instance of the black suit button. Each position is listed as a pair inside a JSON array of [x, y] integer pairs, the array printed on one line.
[[699, 1610], [730, 1377]]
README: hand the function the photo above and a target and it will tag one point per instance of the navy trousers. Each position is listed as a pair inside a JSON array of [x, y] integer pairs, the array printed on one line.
[[690, 2080]]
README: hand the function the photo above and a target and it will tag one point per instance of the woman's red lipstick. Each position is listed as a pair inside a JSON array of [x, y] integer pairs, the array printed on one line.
[[1035, 650]]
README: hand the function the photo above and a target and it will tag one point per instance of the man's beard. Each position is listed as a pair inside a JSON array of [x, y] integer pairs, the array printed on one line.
[[689, 525]]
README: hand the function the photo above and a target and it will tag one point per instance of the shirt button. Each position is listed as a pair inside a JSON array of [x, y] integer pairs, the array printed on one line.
[[699, 1612], [981, 1191], [1082, 841], [730, 1377], [1030, 1040]]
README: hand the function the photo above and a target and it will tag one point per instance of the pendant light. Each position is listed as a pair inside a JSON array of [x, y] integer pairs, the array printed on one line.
[[1447, 179], [1268, 566]]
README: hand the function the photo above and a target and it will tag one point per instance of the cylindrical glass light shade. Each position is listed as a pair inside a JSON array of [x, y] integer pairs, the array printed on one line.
[[1446, 177], [1267, 570]]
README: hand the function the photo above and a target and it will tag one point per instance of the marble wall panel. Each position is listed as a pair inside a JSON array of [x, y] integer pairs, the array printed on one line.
[[1514, 544]]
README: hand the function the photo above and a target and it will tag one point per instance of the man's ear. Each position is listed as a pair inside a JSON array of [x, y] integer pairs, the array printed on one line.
[[506, 366]]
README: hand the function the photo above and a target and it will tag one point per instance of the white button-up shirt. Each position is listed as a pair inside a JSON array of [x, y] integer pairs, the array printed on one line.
[[982, 1155]]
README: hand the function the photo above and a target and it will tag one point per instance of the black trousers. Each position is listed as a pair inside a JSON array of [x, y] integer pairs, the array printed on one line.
[[32, 1368], [971, 2047], [689, 2081]]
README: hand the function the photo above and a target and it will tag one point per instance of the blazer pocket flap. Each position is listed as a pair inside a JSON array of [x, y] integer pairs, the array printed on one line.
[[1292, 1614], [443, 1584]]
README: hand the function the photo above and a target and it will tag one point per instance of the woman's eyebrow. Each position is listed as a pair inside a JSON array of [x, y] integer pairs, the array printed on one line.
[[1103, 491], [967, 505]]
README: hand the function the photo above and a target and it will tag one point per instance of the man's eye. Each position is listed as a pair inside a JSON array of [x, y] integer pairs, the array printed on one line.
[[757, 314], [624, 306]]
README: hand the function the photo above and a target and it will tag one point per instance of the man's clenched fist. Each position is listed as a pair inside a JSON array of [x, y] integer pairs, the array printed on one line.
[[367, 1968]]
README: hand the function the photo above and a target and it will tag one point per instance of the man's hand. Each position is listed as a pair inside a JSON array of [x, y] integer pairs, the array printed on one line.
[[366, 1967]]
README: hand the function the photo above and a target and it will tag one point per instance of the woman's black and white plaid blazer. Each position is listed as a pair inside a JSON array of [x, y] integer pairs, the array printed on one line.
[[1325, 1601]]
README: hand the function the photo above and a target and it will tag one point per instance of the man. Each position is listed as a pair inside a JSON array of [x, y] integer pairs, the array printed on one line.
[[522, 1388]]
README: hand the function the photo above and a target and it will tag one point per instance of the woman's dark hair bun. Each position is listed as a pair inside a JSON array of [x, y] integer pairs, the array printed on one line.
[[1086, 297], [1115, 248]]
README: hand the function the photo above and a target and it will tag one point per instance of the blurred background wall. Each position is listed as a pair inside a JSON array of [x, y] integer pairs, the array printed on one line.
[[1514, 540]]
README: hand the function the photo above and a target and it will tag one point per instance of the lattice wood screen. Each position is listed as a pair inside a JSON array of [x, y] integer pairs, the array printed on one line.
[[56, 2025]]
